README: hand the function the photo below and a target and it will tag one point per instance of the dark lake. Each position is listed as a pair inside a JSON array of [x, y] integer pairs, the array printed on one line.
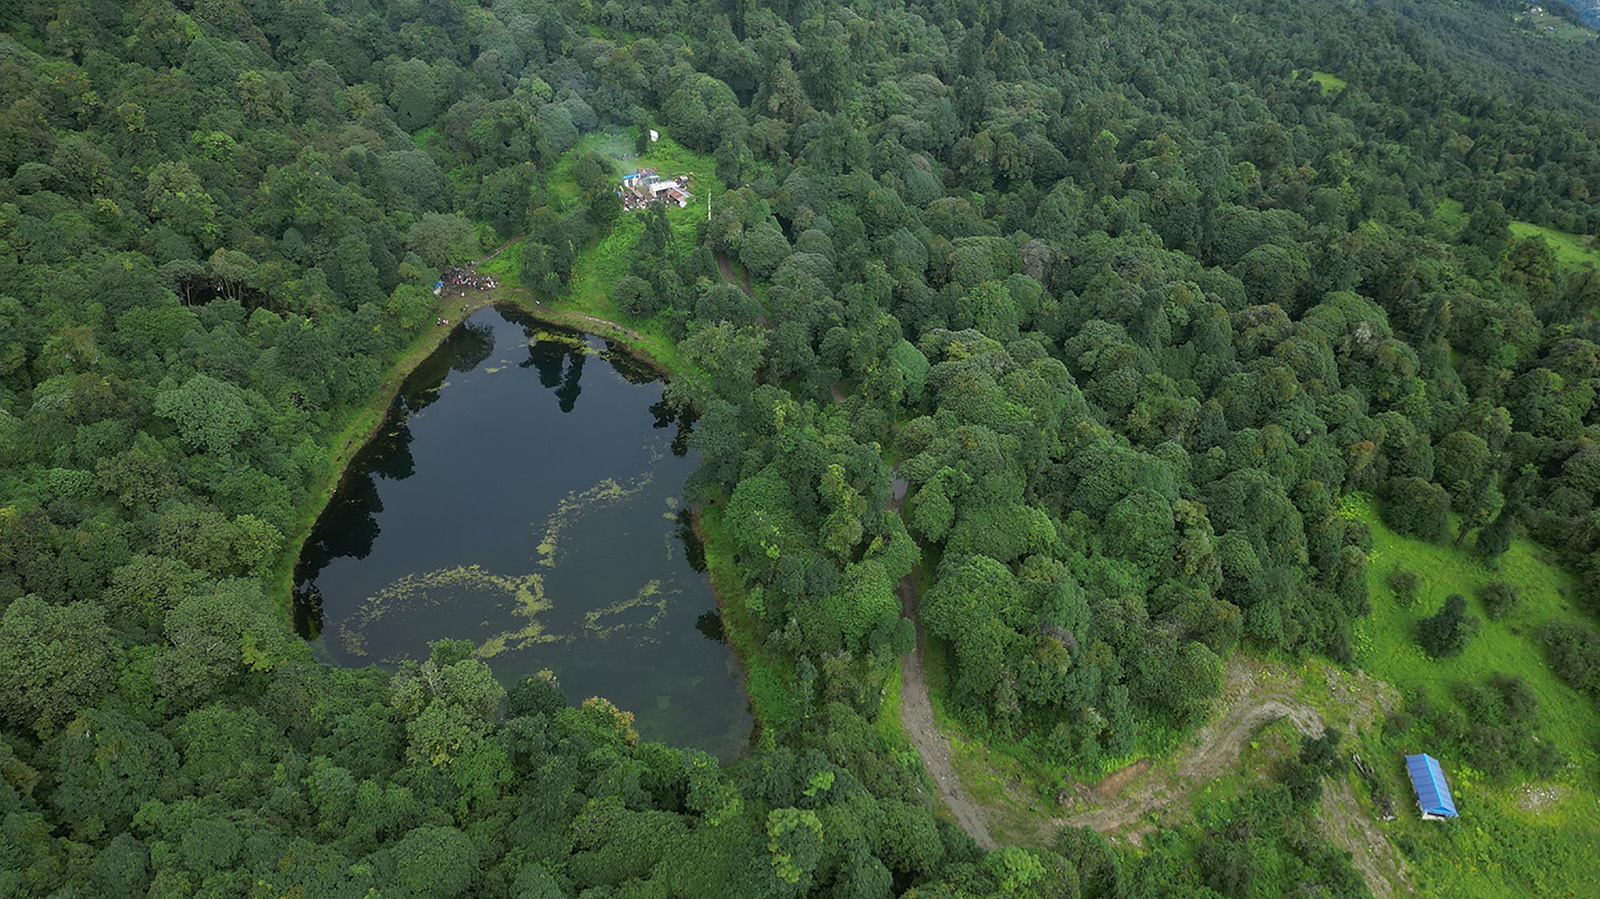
[[525, 496]]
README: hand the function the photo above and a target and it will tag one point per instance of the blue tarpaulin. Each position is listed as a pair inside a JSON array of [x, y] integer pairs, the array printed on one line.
[[1433, 794]]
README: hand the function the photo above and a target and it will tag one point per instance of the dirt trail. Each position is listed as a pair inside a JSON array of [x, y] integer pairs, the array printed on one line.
[[1128, 801], [726, 265], [916, 712], [503, 247], [1220, 744]]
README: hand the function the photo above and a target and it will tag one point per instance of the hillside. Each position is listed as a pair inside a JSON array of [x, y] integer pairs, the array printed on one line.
[[1079, 385]]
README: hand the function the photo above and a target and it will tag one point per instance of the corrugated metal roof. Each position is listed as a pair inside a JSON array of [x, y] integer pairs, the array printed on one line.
[[1433, 794]]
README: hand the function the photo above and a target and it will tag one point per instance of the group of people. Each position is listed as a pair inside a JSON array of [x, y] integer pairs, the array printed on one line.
[[463, 278]]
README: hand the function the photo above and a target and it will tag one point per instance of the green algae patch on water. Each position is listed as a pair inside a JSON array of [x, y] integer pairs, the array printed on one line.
[[606, 493], [469, 585], [649, 597]]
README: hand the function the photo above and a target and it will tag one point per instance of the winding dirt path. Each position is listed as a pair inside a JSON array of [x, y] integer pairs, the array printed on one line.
[[916, 714], [1129, 802], [1129, 795], [916, 711]]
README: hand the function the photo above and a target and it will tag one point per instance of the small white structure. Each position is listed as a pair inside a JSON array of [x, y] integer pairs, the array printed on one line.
[[654, 135]]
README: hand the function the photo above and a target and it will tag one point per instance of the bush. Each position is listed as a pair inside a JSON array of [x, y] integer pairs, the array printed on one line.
[[1447, 633], [1499, 598], [1497, 734], [1574, 653], [1405, 585]]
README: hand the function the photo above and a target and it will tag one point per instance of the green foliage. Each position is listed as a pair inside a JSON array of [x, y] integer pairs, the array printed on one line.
[[58, 660], [210, 415], [1499, 598], [1404, 584], [1574, 652], [1446, 633], [1131, 309], [794, 839], [1417, 508], [449, 704]]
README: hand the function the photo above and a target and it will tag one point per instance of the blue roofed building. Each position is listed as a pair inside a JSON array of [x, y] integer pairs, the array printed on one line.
[[1433, 794]]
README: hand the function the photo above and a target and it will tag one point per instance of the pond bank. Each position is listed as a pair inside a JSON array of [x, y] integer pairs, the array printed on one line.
[[370, 420]]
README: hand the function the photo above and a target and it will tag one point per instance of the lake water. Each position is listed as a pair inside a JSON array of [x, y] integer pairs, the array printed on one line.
[[525, 496]]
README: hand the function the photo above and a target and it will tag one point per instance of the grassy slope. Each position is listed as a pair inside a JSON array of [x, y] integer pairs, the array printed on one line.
[[1386, 644], [1572, 250], [1506, 842], [767, 675], [1509, 839], [358, 428], [1575, 251], [599, 267], [1564, 30]]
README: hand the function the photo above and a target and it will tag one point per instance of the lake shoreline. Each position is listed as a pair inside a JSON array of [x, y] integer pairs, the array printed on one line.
[[373, 416], [735, 648]]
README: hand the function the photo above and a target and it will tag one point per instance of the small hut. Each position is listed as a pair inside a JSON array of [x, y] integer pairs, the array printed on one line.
[[1433, 794]]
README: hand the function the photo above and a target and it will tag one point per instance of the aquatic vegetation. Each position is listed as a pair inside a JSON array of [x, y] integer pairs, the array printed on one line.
[[650, 596], [606, 493], [469, 586]]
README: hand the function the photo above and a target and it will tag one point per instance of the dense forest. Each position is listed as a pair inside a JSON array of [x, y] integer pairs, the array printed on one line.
[[1131, 294]]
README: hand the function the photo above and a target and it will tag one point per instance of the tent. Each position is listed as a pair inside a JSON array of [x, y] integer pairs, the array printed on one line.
[[1433, 794]]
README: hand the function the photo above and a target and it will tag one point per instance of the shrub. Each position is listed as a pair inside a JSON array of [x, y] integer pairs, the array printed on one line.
[[1499, 598], [1447, 633], [1405, 585], [1574, 653]]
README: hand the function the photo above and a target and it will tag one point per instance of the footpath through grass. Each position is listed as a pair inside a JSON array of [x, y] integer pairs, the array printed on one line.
[[1515, 838]]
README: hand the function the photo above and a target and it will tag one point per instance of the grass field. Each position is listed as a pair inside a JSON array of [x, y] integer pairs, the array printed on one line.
[[1386, 644], [1514, 839], [1563, 30], [599, 267], [1329, 81], [1572, 250]]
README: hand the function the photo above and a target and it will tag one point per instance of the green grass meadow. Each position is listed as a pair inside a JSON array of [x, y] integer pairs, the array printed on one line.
[[1514, 839], [599, 267], [1571, 250]]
